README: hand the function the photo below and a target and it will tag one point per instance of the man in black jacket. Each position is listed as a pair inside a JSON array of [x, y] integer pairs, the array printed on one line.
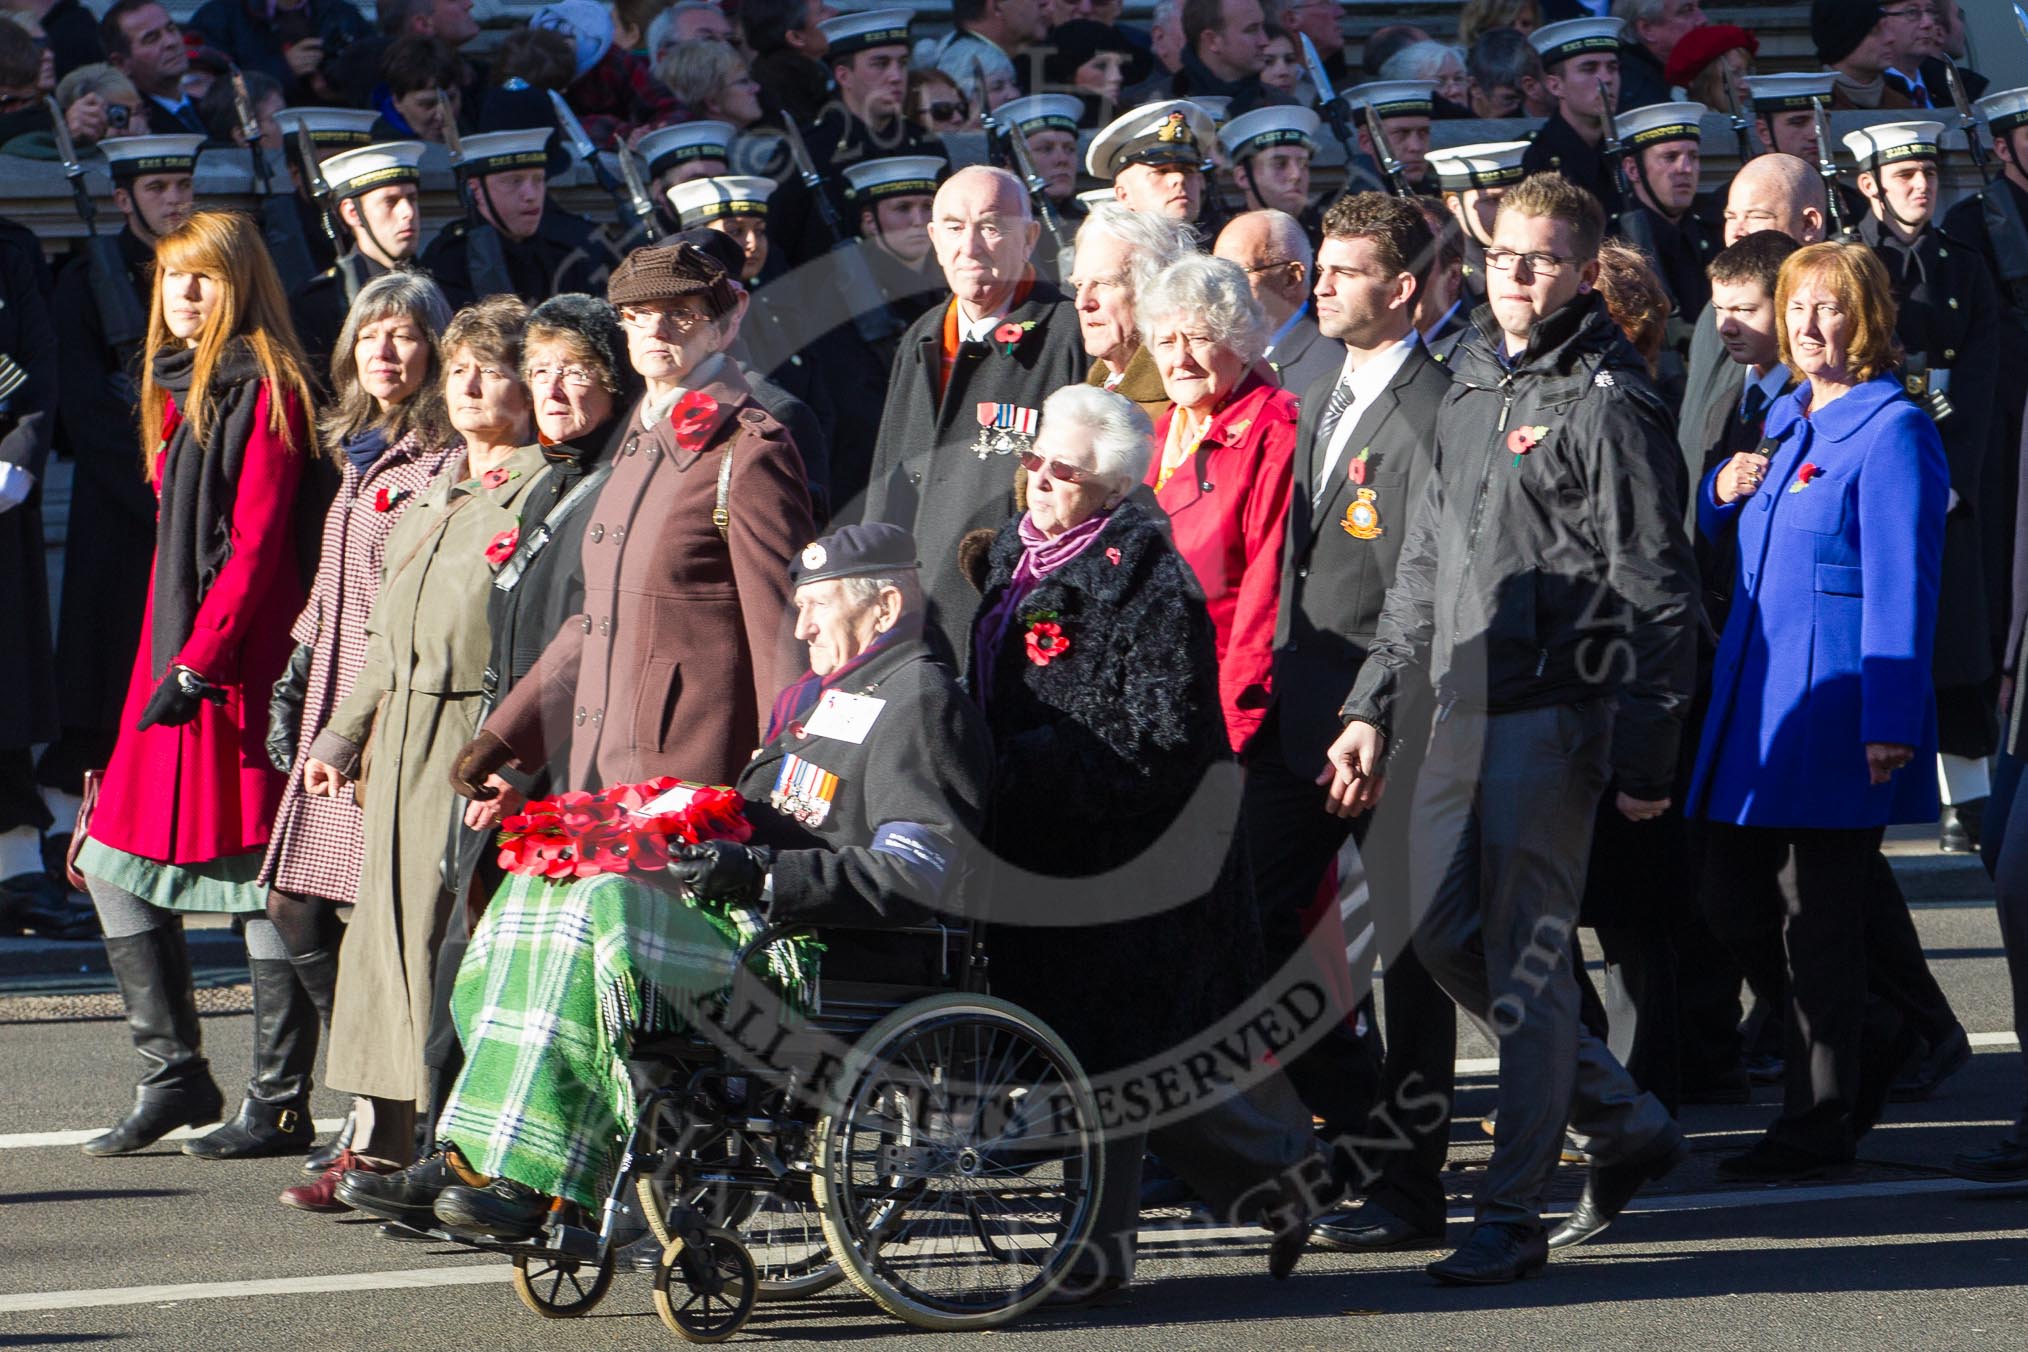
[[1546, 589], [373, 193], [521, 243], [1364, 447], [1581, 70], [965, 396]]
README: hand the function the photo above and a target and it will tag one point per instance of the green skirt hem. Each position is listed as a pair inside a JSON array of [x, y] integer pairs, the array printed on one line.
[[229, 884]]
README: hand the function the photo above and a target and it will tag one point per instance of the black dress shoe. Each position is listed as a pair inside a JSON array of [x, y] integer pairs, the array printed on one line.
[[1609, 1187], [324, 1156], [1956, 832], [1371, 1228], [2006, 1162], [502, 1210], [1925, 1074], [407, 1196], [1772, 1161], [193, 1105], [1492, 1255]]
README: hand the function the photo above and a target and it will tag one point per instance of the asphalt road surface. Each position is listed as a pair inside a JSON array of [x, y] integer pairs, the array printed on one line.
[[160, 1251]]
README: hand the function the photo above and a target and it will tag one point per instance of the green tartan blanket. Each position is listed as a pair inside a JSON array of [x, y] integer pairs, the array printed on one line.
[[555, 982]]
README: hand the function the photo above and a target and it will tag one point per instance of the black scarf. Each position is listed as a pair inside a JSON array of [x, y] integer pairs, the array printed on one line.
[[193, 532], [571, 460]]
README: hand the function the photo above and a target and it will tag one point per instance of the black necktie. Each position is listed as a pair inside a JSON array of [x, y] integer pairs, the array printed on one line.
[[1327, 427], [1752, 415]]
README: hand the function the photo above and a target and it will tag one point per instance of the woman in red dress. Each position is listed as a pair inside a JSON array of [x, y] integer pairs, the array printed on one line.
[[188, 797]]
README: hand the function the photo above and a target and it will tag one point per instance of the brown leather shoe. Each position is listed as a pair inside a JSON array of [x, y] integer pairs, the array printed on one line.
[[320, 1194]]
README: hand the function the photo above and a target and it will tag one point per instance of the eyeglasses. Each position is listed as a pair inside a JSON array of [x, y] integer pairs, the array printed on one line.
[[945, 112], [651, 321], [1269, 267], [1069, 474], [575, 377], [1539, 264]]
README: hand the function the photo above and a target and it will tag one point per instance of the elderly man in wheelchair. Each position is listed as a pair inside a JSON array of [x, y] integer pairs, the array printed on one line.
[[906, 1120]]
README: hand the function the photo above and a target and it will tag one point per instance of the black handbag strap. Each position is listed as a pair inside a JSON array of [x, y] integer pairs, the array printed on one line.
[[538, 539]]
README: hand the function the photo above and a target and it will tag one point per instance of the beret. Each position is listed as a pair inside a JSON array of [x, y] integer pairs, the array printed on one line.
[[854, 551]]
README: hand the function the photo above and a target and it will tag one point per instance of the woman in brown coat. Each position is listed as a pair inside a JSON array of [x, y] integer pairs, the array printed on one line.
[[685, 634]]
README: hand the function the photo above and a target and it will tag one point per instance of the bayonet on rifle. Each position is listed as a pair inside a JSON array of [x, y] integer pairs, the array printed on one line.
[[1383, 153], [1827, 169], [121, 318], [637, 193], [872, 317], [1328, 102]]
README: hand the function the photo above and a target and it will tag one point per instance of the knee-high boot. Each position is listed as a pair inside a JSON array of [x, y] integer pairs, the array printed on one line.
[[274, 1118], [176, 1088]]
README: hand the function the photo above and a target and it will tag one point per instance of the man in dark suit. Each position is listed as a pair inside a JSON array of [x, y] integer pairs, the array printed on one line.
[[1363, 451], [144, 44]]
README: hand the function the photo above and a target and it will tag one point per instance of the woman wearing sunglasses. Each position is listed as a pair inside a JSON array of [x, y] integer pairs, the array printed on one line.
[[1094, 660]]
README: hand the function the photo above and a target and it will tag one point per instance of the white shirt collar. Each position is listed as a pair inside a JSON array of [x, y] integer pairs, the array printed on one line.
[[1366, 382], [980, 330], [1769, 385]]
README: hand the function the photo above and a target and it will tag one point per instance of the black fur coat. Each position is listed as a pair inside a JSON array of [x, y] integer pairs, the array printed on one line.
[[1111, 762]]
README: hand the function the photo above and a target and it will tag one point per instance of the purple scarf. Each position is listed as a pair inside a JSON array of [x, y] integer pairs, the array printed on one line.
[[1041, 555]]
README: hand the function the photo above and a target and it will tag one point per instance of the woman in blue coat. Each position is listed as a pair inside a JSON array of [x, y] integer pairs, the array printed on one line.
[[1822, 725]]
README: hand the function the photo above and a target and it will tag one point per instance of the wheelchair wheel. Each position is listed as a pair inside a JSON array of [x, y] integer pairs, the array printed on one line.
[[714, 1308], [779, 1227], [958, 1162], [561, 1288]]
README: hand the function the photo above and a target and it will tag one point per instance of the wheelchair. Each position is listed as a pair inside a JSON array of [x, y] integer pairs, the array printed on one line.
[[910, 1134]]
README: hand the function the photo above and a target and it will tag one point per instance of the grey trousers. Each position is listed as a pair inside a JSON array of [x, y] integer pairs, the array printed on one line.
[[1503, 824]]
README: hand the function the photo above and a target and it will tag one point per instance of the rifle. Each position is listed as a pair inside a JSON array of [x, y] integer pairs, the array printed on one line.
[[1827, 169], [484, 260], [2004, 227], [121, 319], [280, 226], [1741, 129], [1383, 154], [635, 210], [1024, 165], [313, 179], [637, 193], [1615, 157], [1328, 102], [871, 315]]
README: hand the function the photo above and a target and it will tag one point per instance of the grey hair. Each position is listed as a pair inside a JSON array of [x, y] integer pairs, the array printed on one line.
[[1213, 291], [1156, 241], [864, 591], [108, 82], [1122, 438], [662, 28], [406, 294], [1285, 236], [1420, 61], [1638, 11], [699, 70], [1168, 13]]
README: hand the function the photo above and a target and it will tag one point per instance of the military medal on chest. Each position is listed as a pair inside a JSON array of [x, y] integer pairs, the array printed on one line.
[[1006, 429], [804, 791], [1362, 518]]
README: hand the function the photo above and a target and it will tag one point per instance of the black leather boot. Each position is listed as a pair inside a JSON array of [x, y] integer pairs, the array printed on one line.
[[274, 1118], [318, 971], [176, 1089]]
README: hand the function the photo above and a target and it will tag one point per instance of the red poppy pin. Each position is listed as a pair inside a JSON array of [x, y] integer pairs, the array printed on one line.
[[1046, 642], [1113, 556], [691, 419], [503, 546], [1010, 334], [1362, 465], [1522, 440], [384, 501], [498, 475], [1804, 473]]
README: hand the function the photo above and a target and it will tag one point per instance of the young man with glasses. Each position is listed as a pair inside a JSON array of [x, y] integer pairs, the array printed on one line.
[[1546, 591]]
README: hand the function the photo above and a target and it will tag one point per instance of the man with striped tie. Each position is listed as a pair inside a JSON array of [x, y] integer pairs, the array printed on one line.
[[1364, 448]]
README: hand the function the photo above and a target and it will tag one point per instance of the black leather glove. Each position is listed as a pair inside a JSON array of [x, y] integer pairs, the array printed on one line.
[[176, 701], [480, 757], [285, 709], [719, 870]]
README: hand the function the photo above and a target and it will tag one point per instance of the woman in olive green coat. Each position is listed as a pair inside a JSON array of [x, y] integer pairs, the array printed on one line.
[[415, 703]]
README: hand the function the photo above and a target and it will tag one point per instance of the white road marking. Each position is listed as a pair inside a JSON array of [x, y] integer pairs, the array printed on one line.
[[22, 1140], [1158, 1237]]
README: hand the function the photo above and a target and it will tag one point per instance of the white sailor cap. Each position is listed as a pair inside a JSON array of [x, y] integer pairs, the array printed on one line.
[[666, 147], [1042, 112], [499, 152], [1266, 128], [351, 172], [1489, 164], [895, 176], [329, 128], [1097, 197], [1887, 142], [1394, 98], [1555, 42], [850, 34], [129, 157], [1219, 106], [2003, 111], [708, 199], [1659, 122], [1790, 93], [1173, 131]]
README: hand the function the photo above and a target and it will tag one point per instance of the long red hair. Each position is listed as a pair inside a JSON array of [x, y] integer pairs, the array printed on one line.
[[227, 248]]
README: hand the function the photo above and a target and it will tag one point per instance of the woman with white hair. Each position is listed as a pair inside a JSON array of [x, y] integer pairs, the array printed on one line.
[[1117, 253], [1223, 472], [1436, 62], [1094, 660]]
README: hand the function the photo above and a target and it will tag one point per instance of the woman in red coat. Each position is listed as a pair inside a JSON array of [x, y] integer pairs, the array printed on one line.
[[183, 816], [1222, 466]]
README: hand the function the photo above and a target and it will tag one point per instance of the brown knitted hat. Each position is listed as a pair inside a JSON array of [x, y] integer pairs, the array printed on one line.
[[666, 271]]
